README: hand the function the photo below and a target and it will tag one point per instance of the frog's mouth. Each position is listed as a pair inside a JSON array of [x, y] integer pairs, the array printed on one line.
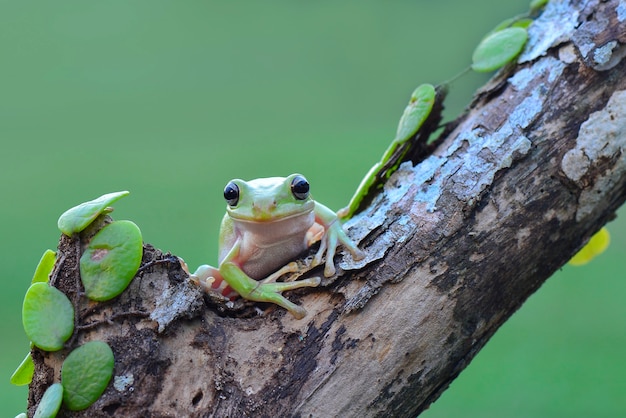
[[263, 215], [269, 217]]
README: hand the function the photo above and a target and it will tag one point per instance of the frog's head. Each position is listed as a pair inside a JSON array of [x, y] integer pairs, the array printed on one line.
[[268, 199]]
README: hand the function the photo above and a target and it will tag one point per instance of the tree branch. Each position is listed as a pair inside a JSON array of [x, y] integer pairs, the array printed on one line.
[[455, 245]]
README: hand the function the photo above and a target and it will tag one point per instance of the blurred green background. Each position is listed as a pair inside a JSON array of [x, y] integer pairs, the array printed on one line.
[[171, 99]]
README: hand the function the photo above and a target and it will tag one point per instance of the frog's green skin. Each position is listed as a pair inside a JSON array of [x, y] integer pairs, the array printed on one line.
[[268, 223], [415, 114]]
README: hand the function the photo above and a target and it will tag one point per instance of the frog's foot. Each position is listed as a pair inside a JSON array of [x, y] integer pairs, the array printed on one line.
[[329, 244], [356, 252], [210, 280], [271, 292]]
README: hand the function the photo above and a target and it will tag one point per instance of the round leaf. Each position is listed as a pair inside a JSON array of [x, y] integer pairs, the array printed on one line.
[[85, 374], [45, 266], [499, 48], [79, 217], [50, 402], [111, 260], [47, 316], [598, 243], [23, 375]]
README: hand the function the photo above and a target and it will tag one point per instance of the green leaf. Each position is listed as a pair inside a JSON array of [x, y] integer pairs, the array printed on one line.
[[111, 260], [45, 266], [85, 374], [416, 112], [79, 217], [50, 402], [498, 49], [598, 243], [47, 316], [23, 375]]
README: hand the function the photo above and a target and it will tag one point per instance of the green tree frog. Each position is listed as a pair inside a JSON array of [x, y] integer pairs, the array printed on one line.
[[269, 222]]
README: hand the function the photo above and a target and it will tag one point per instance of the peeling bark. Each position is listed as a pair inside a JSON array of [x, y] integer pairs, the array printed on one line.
[[455, 245]]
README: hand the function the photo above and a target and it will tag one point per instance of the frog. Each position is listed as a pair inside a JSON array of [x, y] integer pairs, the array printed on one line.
[[268, 223]]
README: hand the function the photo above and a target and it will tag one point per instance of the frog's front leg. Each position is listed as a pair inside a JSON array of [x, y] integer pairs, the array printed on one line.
[[333, 236], [266, 290]]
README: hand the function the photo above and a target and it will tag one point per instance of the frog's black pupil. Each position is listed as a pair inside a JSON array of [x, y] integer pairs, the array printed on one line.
[[300, 188], [231, 194]]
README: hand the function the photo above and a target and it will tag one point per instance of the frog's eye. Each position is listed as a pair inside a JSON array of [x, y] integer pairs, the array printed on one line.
[[300, 188], [231, 194]]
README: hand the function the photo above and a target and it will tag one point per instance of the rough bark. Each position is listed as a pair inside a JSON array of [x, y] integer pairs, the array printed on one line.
[[455, 245]]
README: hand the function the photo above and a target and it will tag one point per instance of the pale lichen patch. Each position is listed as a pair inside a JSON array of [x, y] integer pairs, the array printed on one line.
[[555, 25], [174, 302], [526, 112], [608, 56], [547, 65], [121, 383], [621, 11], [575, 164], [601, 136], [603, 54]]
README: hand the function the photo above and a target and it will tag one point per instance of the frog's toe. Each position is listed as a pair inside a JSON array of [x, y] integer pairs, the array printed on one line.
[[329, 270], [298, 312], [358, 254], [271, 293], [317, 260], [343, 212]]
